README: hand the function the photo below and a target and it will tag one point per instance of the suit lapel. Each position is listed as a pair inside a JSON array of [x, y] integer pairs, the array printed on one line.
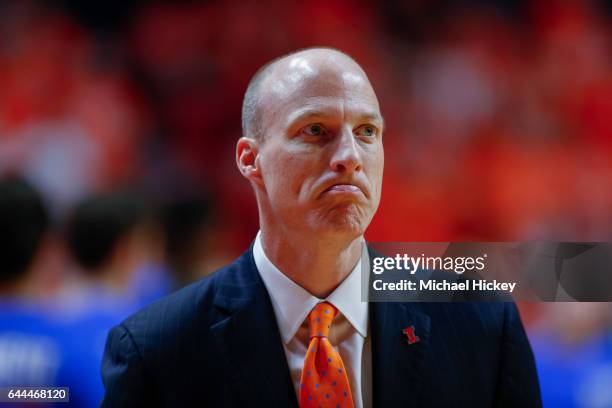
[[397, 357], [250, 341]]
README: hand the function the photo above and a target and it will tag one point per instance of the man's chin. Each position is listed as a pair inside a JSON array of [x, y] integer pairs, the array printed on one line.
[[349, 222]]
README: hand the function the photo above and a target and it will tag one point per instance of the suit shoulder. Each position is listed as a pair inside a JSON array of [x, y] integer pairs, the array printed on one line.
[[490, 318]]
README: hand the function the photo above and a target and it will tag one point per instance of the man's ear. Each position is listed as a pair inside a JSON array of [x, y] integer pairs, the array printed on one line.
[[247, 150]]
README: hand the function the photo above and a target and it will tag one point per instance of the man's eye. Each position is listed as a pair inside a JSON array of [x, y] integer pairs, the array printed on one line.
[[314, 130], [367, 131]]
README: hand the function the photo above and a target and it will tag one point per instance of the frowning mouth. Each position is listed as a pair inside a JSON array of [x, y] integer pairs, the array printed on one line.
[[348, 189]]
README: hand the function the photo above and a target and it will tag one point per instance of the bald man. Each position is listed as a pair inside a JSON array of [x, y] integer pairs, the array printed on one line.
[[284, 325]]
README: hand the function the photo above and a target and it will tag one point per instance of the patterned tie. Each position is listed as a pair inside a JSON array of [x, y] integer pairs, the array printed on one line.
[[324, 381]]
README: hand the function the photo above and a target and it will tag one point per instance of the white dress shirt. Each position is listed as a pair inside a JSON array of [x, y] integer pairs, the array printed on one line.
[[348, 334]]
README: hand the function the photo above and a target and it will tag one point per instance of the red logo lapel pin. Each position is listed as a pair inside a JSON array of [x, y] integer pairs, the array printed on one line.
[[410, 335]]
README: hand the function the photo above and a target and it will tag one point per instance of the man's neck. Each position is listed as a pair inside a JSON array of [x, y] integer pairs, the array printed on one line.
[[24, 288], [317, 265]]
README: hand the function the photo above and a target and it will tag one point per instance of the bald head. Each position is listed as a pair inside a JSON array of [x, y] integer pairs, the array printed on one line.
[[275, 82]]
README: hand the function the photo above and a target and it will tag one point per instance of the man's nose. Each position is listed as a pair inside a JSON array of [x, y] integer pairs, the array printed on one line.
[[346, 157]]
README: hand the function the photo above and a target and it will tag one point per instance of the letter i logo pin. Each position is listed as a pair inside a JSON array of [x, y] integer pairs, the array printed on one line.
[[411, 337]]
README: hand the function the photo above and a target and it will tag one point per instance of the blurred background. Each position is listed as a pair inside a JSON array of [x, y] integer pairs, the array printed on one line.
[[118, 123]]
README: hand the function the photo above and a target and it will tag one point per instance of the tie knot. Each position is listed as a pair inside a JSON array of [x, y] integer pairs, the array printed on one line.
[[320, 319]]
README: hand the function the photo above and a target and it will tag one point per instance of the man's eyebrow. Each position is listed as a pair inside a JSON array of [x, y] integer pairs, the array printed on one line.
[[308, 113], [372, 117]]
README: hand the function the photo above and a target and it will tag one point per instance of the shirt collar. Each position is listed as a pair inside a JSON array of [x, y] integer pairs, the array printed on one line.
[[292, 303]]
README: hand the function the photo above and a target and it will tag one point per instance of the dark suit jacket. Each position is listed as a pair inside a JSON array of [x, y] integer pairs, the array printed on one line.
[[216, 343]]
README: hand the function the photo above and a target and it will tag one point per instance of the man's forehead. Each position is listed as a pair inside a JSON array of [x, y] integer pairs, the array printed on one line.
[[310, 75], [314, 69]]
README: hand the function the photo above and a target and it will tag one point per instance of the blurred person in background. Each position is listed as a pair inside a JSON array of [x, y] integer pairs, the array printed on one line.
[[573, 342], [112, 240], [191, 244], [30, 351], [110, 236]]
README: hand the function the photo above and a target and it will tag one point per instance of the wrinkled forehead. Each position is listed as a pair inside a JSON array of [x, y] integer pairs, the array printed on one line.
[[301, 80]]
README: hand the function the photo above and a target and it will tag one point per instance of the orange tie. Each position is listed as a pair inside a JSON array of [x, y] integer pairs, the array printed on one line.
[[324, 381]]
